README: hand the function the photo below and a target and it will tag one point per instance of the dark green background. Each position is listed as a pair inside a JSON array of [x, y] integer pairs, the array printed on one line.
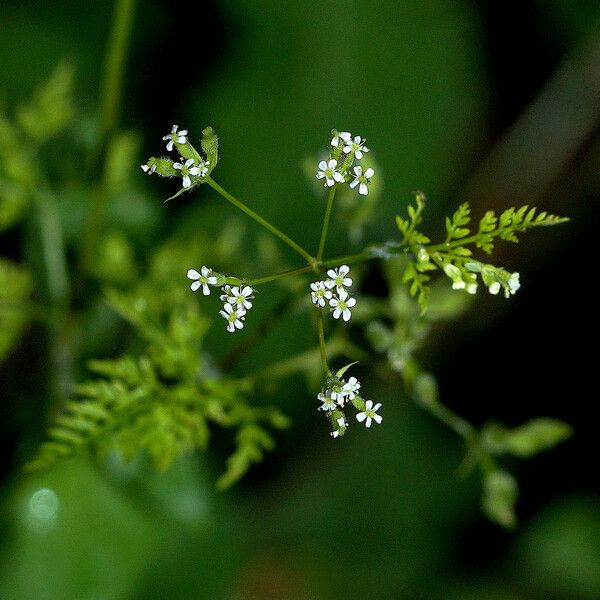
[[437, 87]]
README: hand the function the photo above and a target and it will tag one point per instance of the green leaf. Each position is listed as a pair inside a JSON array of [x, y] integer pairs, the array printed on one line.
[[500, 494], [344, 369], [456, 227]]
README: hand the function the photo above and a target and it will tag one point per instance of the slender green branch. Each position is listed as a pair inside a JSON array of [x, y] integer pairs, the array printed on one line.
[[322, 346], [111, 88], [238, 204], [327, 218], [269, 278], [348, 259], [447, 416]]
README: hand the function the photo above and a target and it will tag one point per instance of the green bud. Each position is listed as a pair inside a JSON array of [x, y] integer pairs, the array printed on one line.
[[210, 147], [163, 166], [500, 493]]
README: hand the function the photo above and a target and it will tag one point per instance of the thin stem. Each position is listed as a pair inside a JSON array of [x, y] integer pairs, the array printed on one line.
[[348, 259], [322, 347], [238, 204], [268, 278], [327, 218], [111, 88], [447, 416]]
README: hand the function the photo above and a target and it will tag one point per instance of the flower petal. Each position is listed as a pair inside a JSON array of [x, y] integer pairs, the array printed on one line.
[[195, 285], [369, 173], [193, 274]]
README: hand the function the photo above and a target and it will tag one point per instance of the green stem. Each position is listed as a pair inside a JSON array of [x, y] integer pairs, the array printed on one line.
[[348, 259], [289, 273], [324, 230], [111, 88], [322, 347], [278, 233], [447, 416]]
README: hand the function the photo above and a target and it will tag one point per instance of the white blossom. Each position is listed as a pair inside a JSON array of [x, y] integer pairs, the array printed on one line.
[[149, 169], [204, 279], [175, 136], [327, 171], [187, 169], [364, 179], [328, 402], [494, 287], [341, 422], [370, 413], [338, 279], [233, 316], [342, 305], [351, 388], [320, 293], [238, 296], [513, 284], [355, 146]]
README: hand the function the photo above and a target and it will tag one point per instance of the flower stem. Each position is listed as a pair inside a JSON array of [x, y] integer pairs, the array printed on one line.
[[269, 278], [114, 65], [238, 204], [322, 347], [326, 219]]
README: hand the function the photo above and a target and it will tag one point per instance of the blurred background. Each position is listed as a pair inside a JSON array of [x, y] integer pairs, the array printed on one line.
[[494, 103]]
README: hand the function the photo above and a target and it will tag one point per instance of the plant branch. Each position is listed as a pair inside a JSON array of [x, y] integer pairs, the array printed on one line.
[[326, 219]]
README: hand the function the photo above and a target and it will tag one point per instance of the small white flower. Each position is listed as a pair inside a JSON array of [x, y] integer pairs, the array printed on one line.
[[338, 279], [342, 305], [327, 171], [341, 422], [149, 169], [471, 287], [335, 434], [203, 279], [239, 297], [364, 179], [328, 403], [351, 388], [370, 413], [233, 316], [175, 136], [494, 287], [187, 169], [320, 293], [513, 284], [355, 146]]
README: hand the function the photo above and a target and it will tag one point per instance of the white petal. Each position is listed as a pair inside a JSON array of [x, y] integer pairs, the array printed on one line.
[[336, 313], [335, 141], [347, 149], [193, 274], [344, 269], [346, 135], [332, 164], [177, 165], [329, 284], [212, 280], [353, 184], [369, 173], [194, 171], [145, 168], [368, 423], [189, 162], [330, 182], [187, 182], [166, 137], [363, 189], [361, 416], [181, 139], [315, 286], [228, 308], [342, 293], [195, 285], [170, 145], [378, 418], [230, 327], [346, 315], [174, 128], [338, 177], [205, 270], [327, 294], [377, 406], [247, 291], [347, 281], [350, 302], [333, 302], [358, 170], [365, 149], [320, 175], [323, 165], [183, 132], [205, 290], [369, 404], [358, 154], [238, 324], [223, 314]]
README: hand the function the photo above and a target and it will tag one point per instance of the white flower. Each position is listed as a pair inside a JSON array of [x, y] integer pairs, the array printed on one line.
[[342, 305], [370, 413], [341, 422], [513, 284], [494, 287], [471, 287], [175, 136], [187, 169], [351, 388], [203, 279], [149, 169], [355, 146], [363, 179], [346, 138], [327, 400], [233, 316], [338, 279], [327, 171], [320, 293], [239, 297]]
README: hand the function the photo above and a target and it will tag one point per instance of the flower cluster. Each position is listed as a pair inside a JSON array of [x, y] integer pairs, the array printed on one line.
[[340, 167], [338, 393], [236, 299], [333, 291], [494, 278], [191, 167]]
